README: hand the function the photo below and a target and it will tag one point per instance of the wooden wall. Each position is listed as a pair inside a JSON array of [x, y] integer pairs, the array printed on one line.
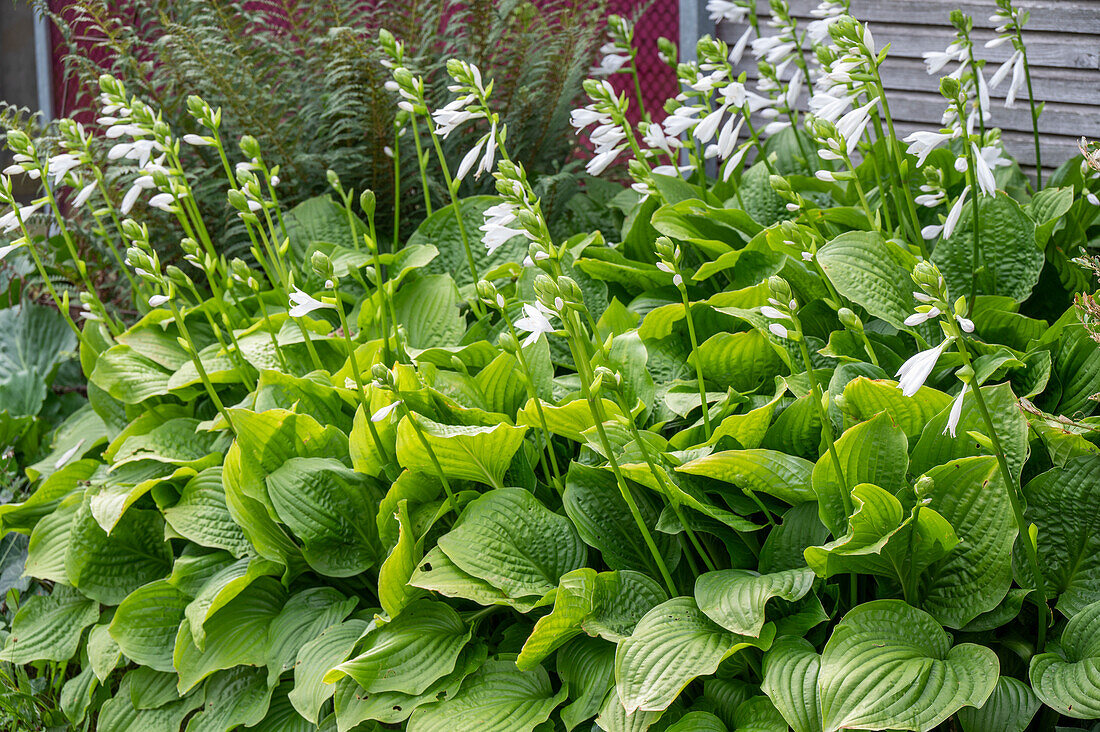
[[1063, 40]]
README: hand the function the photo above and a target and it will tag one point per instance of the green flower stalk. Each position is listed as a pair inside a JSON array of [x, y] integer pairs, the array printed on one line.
[[957, 328], [564, 299], [670, 256], [493, 299]]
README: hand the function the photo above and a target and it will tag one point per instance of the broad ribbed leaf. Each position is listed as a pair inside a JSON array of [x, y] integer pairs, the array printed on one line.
[[353, 705], [975, 577], [497, 698], [936, 448], [791, 668], [875, 452], [49, 627], [673, 644], [220, 589], [302, 618], [104, 655], [235, 635], [891, 666], [587, 665], [769, 472], [234, 698], [1010, 708], [464, 453], [329, 508], [49, 542], [147, 622], [514, 543], [864, 398], [409, 653], [394, 592], [736, 598], [871, 272], [120, 714], [201, 515], [1069, 681], [315, 659], [1009, 261], [567, 420], [428, 309], [1065, 504], [603, 519], [107, 568], [885, 540]]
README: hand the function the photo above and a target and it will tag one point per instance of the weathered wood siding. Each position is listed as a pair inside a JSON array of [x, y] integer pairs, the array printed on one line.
[[1063, 40]]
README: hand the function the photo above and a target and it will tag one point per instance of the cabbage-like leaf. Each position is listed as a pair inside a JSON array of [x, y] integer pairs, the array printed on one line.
[[1068, 681]]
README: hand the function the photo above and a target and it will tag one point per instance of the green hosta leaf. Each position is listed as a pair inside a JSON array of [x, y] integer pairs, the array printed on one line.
[[608, 604], [33, 341], [129, 376], [436, 572], [975, 577], [315, 659], [714, 230], [146, 624], [220, 589], [614, 718], [428, 310], [47, 497], [1076, 375], [49, 627], [104, 655], [884, 541], [512, 541], [1046, 208], [76, 695], [107, 568], [234, 698], [121, 714], [1065, 504], [304, 616], [891, 666], [1069, 681], [875, 452], [312, 394], [587, 665], [283, 717], [871, 272], [673, 644], [1010, 708], [736, 598], [1009, 259], [783, 549], [935, 448], [235, 635], [496, 698], [201, 515], [353, 705], [596, 507], [441, 231], [791, 669], [464, 453], [324, 504], [864, 398], [321, 219], [742, 361], [410, 653], [749, 428], [698, 722], [49, 542], [769, 472], [394, 592], [265, 440]]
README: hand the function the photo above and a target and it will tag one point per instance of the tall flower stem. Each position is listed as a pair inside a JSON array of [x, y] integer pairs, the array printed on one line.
[[475, 304], [411, 416], [203, 376], [596, 407], [533, 394], [707, 428], [897, 157], [422, 161], [975, 248], [1034, 111], [1015, 499], [356, 374], [61, 304], [396, 189], [663, 481]]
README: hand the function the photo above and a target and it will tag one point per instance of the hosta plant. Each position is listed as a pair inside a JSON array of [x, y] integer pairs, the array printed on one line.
[[801, 445]]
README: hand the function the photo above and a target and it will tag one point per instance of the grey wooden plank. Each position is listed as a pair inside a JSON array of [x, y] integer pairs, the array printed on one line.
[[1050, 49], [1066, 16]]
